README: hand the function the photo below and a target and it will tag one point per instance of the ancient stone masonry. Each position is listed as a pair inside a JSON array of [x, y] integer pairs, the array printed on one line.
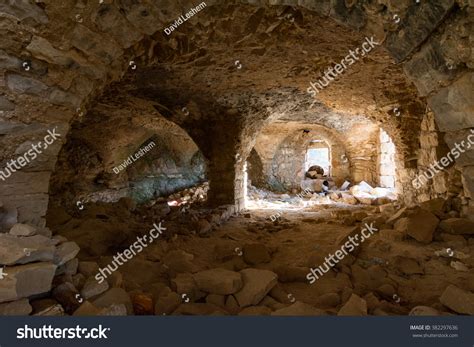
[[224, 98]]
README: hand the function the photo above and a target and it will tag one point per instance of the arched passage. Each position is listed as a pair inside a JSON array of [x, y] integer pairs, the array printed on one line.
[[221, 78]]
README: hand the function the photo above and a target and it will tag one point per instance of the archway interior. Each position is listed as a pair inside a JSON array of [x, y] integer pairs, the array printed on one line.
[[357, 165], [231, 102]]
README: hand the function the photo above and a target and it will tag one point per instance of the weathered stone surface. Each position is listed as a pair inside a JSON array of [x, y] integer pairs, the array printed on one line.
[[114, 310], [435, 206], [458, 226], [184, 283], [91, 43], [291, 273], [111, 21], [462, 142], [218, 281], [400, 214], [256, 253], [458, 300], [354, 16], [407, 266], [180, 261], [167, 303], [51, 311], [93, 288], [44, 50], [419, 23], [299, 309], [356, 306], [87, 309], [143, 16], [420, 225], [65, 252], [453, 105], [22, 230], [322, 7], [468, 181], [256, 284], [114, 296], [26, 280], [21, 250], [5, 105], [328, 300], [68, 296], [88, 268], [26, 85], [24, 9], [428, 69], [16, 308], [215, 299]]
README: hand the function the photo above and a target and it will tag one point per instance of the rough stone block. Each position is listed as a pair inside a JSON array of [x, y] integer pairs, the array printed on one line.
[[420, 21], [453, 105], [26, 280]]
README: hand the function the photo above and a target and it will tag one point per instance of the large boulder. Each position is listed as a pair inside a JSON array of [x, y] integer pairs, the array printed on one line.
[[256, 284], [421, 225]]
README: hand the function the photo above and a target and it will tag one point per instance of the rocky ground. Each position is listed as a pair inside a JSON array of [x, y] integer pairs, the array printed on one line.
[[210, 262]]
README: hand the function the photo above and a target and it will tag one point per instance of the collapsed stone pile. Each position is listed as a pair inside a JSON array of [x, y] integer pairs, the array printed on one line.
[[33, 262], [324, 190]]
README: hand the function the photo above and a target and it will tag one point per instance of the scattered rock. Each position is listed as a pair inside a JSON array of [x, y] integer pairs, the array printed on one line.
[[142, 304], [256, 253], [328, 300], [93, 288], [218, 281], [16, 308], [22, 230], [114, 296], [68, 296], [65, 252], [291, 273], [420, 225], [458, 300], [356, 306], [256, 284], [408, 266], [167, 303], [88, 268], [457, 226]]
